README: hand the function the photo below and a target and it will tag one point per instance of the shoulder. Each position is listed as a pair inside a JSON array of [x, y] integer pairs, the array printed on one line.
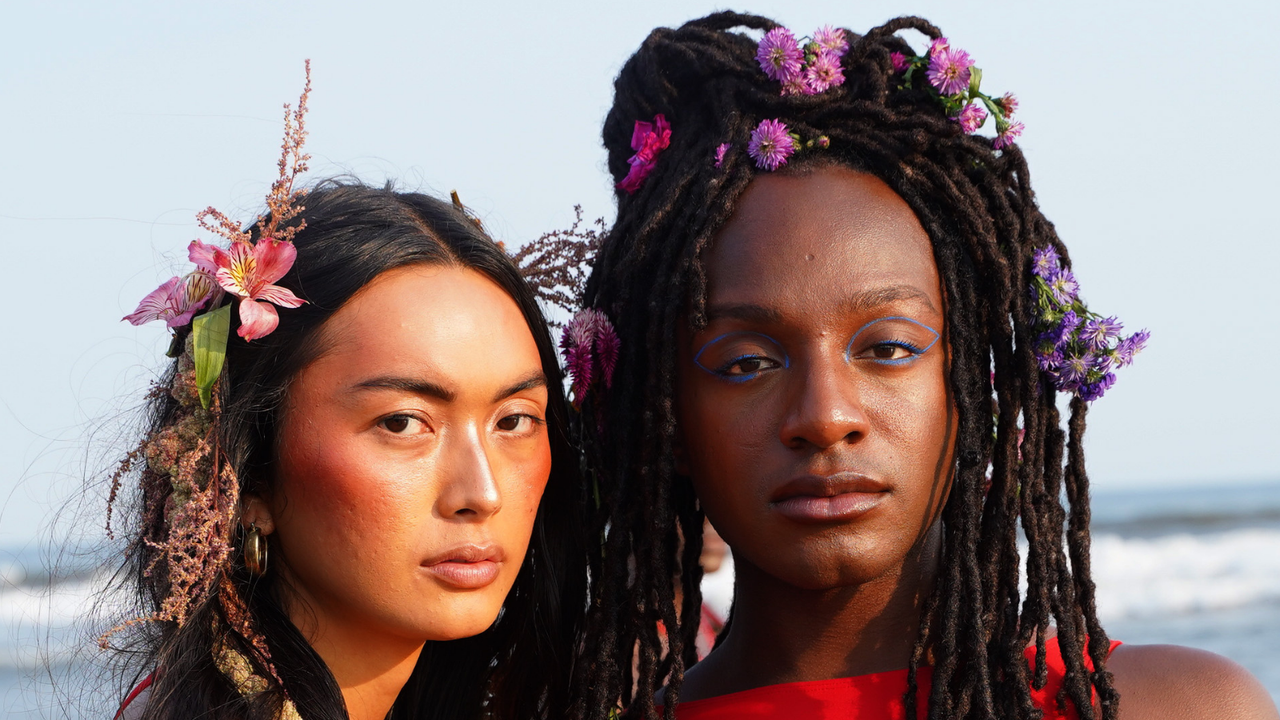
[[1163, 681]]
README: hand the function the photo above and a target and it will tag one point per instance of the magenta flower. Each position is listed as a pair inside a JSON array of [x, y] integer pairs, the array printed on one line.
[[721, 149], [832, 40], [900, 62], [949, 70], [648, 140], [779, 55], [971, 118], [171, 302], [824, 72], [771, 144], [591, 347], [1006, 136], [1009, 105], [937, 46], [248, 272], [798, 85]]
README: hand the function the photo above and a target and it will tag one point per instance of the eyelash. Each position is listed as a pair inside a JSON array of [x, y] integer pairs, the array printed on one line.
[[722, 372], [537, 421], [915, 350]]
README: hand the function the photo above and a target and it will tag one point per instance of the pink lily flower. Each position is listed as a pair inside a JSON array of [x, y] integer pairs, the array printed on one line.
[[176, 301], [249, 271]]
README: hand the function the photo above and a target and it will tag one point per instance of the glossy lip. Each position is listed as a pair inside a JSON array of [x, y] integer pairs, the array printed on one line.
[[838, 497], [468, 566]]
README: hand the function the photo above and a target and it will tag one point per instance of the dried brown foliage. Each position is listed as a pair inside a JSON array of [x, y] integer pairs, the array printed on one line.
[[558, 263]]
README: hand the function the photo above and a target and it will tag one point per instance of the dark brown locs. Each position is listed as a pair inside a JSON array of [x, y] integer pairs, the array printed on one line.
[[979, 210]]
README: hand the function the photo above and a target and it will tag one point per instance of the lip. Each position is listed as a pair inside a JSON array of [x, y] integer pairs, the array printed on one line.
[[838, 497], [468, 566]]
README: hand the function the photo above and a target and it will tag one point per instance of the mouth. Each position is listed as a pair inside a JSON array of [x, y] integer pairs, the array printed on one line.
[[466, 567], [838, 497]]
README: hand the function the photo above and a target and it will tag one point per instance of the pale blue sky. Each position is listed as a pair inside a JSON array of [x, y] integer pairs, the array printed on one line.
[[1151, 135]]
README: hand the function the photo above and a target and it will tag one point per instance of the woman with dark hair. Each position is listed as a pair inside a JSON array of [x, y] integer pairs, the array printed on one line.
[[844, 327], [363, 504]]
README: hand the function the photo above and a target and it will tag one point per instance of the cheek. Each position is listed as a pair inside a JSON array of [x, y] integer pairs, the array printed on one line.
[[524, 478]]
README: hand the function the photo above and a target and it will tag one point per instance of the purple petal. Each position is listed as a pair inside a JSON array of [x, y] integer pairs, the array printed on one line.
[[162, 303]]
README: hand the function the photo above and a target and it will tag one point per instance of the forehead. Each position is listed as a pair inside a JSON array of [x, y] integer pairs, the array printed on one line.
[[450, 323], [801, 243]]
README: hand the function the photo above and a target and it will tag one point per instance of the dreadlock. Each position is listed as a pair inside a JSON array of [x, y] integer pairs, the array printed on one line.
[[979, 211]]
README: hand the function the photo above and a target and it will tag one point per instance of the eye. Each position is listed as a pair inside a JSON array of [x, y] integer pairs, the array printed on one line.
[[400, 424], [894, 351], [891, 341], [519, 422], [747, 366]]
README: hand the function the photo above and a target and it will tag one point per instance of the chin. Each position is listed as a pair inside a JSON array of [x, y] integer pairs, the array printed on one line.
[[459, 620]]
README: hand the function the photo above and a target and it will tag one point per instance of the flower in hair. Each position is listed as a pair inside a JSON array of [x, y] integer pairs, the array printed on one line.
[[174, 302], [779, 55], [804, 68], [771, 144], [590, 346], [950, 76], [721, 149], [248, 272], [647, 139], [1076, 349]]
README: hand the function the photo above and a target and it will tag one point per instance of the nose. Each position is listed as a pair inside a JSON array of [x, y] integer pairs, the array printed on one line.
[[825, 409], [470, 491]]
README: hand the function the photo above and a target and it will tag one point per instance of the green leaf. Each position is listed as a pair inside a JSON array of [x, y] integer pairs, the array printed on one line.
[[209, 345]]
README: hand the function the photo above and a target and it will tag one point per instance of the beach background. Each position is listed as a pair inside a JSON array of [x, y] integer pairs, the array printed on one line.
[[1150, 135]]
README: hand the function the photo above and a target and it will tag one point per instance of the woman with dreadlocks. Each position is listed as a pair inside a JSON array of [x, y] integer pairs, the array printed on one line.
[[822, 283], [363, 504]]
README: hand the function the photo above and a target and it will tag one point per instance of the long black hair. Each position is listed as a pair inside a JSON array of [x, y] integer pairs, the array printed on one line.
[[980, 213], [520, 666]]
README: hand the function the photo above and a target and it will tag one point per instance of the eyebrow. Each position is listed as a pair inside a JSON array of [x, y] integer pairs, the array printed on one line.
[[859, 302], [440, 392], [534, 380]]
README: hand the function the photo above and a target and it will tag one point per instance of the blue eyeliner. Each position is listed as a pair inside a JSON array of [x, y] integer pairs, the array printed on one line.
[[716, 372], [916, 351]]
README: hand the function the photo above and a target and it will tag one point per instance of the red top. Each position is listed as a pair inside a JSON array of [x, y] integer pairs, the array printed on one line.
[[865, 697]]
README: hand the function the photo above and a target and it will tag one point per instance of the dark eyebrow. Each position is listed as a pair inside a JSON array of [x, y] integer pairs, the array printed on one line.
[[885, 296], [417, 387], [534, 380]]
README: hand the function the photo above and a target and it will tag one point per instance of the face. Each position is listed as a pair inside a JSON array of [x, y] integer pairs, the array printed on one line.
[[814, 414], [411, 458]]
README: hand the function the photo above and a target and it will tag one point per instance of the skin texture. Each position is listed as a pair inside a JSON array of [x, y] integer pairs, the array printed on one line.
[[418, 429], [767, 392], [809, 261]]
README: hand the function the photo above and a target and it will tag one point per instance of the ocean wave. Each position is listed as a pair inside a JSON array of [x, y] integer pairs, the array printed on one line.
[[1184, 573]]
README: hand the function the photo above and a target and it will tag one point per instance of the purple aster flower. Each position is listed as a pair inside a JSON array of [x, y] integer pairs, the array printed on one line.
[[1045, 262], [771, 145], [1008, 135], [1009, 104], [823, 142], [798, 85], [721, 149], [1049, 360], [900, 62], [832, 40], [949, 70], [1094, 390], [1131, 346], [824, 72], [1098, 334], [1064, 287], [779, 55], [971, 118], [1073, 371]]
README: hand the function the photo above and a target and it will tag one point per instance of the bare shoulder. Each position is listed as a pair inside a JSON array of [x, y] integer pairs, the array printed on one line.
[[1164, 681]]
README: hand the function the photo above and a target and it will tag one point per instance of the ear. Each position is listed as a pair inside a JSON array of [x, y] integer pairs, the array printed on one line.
[[255, 511]]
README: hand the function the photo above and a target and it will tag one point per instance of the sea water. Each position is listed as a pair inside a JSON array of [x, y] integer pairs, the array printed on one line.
[[1189, 567]]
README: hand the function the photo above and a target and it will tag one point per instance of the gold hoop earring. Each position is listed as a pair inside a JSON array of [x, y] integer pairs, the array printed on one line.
[[255, 551]]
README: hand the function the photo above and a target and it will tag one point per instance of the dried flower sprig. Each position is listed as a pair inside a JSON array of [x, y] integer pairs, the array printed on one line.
[[950, 75], [557, 264], [1077, 349]]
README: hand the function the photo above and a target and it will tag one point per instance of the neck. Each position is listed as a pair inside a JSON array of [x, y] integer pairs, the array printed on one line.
[[781, 633], [370, 664]]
